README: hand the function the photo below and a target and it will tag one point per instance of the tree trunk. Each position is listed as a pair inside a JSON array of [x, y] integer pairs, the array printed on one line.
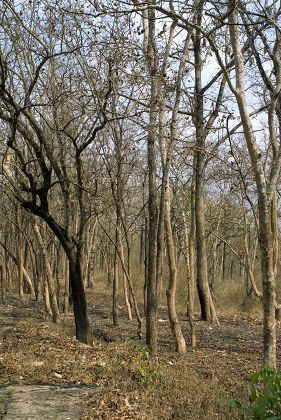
[[201, 250], [151, 286], [214, 254], [179, 340], [47, 298], [223, 263], [65, 276], [2, 281], [190, 270], [131, 288], [265, 191], [83, 332], [268, 279], [249, 265], [29, 282], [115, 277], [145, 266], [207, 308], [49, 276], [20, 270], [72, 250], [125, 288]]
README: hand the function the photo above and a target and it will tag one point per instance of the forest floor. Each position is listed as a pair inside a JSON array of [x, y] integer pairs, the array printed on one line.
[[45, 373]]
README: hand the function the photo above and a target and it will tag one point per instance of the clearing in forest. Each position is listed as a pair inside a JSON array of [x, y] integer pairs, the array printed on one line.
[[46, 373]]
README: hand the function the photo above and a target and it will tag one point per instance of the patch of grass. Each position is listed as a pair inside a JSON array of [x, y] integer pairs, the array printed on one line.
[[144, 370], [231, 298]]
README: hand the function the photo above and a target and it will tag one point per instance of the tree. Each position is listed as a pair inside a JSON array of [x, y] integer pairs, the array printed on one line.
[[266, 183], [46, 132], [265, 188]]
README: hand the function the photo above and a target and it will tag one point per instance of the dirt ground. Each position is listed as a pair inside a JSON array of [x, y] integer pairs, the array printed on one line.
[[45, 373]]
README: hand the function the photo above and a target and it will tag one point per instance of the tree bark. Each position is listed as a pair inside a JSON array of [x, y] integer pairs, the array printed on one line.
[[65, 277], [116, 274], [72, 250], [83, 331], [48, 272], [208, 312], [125, 288], [151, 285], [189, 236], [2, 282], [264, 196], [179, 340]]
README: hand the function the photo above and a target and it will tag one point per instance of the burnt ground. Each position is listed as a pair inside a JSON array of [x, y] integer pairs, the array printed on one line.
[[45, 373]]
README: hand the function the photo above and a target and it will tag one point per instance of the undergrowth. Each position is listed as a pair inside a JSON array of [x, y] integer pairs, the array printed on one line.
[[264, 396]]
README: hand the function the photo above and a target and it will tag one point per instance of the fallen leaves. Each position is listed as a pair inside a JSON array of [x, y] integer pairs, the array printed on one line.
[[35, 350]]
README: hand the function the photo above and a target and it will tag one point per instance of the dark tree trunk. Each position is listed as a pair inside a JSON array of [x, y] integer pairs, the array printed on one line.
[[73, 253], [83, 332], [151, 280]]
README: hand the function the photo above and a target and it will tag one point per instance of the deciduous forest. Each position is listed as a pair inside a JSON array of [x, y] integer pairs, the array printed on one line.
[[140, 149]]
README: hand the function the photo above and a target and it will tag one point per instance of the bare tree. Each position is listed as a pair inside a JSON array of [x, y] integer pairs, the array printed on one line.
[[265, 181], [44, 125]]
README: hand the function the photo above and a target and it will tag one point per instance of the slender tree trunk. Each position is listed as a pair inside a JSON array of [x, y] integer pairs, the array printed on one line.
[[190, 272], [87, 273], [201, 250], [125, 288], [19, 260], [141, 245], [35, 276], [223, 263], [274, 230], [214, 254], [65, 277], [151, 286], [28, 280], [208, 312], [7, 270], [249, 264], [269, 293], [49, 276], [264, 191], [127, 300], [2, 281], [116, 275], [47, 298], [145, 267], [20, 270], [179, 340], [131, 288]]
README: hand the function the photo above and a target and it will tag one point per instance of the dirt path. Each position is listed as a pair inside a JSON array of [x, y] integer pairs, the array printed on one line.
[[61, 402], [46, 374]]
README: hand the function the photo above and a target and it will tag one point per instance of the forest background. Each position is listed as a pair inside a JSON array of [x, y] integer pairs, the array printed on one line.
[[140, 150]]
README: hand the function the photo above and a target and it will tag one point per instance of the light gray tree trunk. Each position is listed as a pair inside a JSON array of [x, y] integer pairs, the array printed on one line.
[[265, 194]]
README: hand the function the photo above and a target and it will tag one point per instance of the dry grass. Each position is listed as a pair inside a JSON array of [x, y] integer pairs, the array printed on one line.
[[130, 384]]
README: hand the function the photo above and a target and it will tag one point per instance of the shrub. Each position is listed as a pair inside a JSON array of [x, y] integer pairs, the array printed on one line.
[[145, 372], [264, 397]]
